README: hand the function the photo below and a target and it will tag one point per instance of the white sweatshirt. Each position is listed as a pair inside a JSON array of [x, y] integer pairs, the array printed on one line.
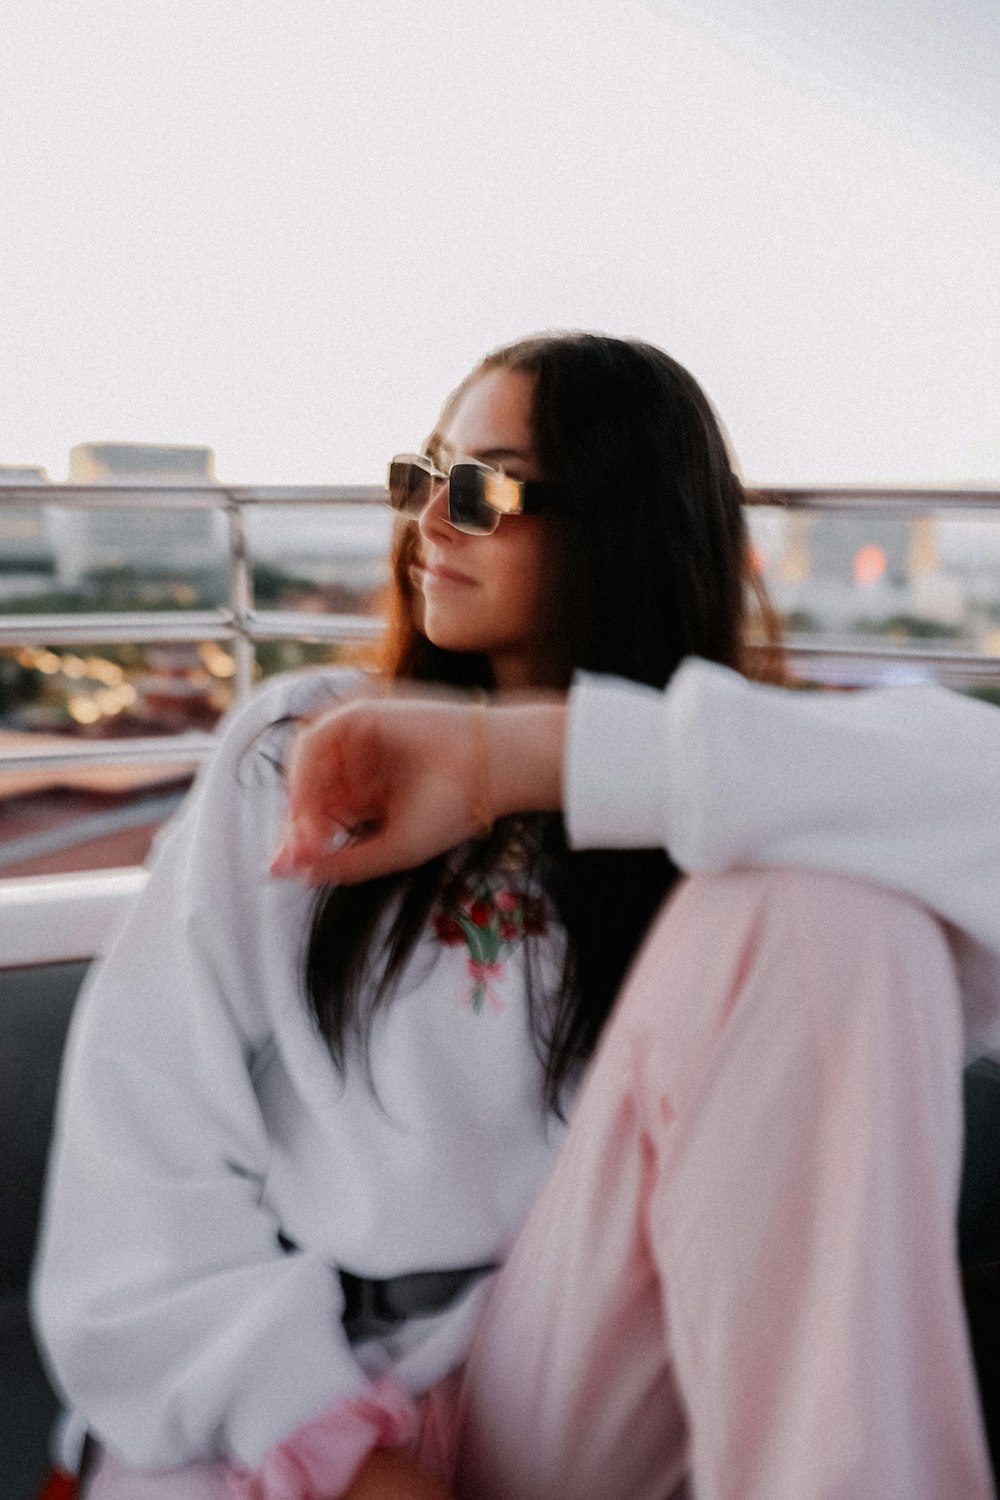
[[900, 786], [200, 1111]]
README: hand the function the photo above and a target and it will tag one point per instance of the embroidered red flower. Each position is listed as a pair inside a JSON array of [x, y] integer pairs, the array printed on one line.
[[447, 929], [491, 923]]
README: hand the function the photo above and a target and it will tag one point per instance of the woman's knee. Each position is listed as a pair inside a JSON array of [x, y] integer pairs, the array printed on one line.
[[773, 946]]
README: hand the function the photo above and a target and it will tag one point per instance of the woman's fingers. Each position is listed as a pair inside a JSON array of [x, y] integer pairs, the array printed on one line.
[[296, 853], [337, 776], [350, 865]]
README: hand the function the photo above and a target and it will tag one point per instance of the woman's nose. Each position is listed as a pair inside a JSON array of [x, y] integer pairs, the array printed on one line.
[[433, 519]]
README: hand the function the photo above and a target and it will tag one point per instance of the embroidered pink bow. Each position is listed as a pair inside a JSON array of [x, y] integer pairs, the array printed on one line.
[[481, 972]]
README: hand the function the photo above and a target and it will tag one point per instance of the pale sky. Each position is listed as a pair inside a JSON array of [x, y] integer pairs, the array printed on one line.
[[286, 231]]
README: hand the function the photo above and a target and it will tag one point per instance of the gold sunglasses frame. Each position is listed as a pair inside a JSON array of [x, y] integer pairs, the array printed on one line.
[[501, 494]]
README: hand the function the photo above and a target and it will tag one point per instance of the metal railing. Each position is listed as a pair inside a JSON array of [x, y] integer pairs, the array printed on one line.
[[910, 501], [47, 918], [242, 624], [865, 665], [237, 622]]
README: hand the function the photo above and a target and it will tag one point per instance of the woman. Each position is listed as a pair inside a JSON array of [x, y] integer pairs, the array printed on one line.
[[224, 1149]]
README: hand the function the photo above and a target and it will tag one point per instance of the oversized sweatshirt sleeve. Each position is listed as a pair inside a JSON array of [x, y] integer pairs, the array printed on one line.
[[174, 1321], [899, 785]]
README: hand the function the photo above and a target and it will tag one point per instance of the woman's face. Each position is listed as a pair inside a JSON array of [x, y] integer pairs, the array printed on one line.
[[490, 593]]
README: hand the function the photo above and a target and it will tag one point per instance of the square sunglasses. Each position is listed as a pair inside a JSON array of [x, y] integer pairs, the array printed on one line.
[[478, 496]]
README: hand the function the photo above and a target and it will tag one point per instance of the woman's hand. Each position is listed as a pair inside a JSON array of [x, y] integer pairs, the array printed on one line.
[[383, 784], [388, 1474]]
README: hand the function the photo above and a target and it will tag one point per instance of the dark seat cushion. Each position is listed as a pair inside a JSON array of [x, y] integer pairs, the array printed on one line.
[[979, 1207], [979, 1236], [28, 1407], [35, 1008]]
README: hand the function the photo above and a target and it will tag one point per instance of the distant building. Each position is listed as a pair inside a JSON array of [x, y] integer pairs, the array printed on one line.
[[828, 546], [146, 540], [22, 474], [841, 568], [100, 463], [25, 547]]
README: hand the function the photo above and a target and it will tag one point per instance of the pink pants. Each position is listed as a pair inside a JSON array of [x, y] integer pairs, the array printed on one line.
[[740, 1282]]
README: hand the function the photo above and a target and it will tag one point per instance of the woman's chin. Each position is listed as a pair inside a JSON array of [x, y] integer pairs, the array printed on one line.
[[448, 633], [453, 640]]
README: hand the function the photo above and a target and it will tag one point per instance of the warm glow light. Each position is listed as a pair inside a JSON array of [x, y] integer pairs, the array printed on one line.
[[47, 662], [758, 559], [113, 700], [108, 672], [869, 564], [218, 661], [73, 666], [83, 710]]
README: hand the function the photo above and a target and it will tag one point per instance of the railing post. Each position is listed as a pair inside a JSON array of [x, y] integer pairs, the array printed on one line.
[[240, 599]]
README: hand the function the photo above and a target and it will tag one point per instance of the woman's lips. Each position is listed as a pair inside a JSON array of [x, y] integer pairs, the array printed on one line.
[[432, 574]]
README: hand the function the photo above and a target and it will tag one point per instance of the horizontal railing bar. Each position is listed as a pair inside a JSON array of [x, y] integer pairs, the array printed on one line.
[[114, 497], [168, 626], [308, 494], [916, 501], [140, 627], [873, 663], [292, 625], [208, 496], [184, 496], [281, 625], [182, 749], [942, 655]]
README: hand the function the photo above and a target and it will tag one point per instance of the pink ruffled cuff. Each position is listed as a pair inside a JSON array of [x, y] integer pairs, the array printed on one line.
[[320, 1458]]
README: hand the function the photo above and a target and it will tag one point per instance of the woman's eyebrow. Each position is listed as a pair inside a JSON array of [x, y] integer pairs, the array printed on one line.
[[446, 453], [492, 455]]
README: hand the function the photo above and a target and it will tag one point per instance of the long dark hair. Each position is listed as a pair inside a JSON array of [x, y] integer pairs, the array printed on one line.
[[661, 571]]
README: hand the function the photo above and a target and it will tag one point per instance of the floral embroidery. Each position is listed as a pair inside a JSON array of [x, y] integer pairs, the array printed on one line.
[[491, 923]]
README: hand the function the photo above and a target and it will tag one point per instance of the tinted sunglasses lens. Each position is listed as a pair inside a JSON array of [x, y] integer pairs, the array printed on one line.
[[467, 507], [409, 487]]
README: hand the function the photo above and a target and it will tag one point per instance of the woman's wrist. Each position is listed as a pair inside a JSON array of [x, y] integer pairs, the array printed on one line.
[[525, 743]]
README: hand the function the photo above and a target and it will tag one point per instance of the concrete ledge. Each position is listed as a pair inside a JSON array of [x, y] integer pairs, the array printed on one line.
[[52, 918]]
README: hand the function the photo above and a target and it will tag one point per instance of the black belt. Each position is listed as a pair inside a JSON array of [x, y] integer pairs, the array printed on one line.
[[373, 1309]]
